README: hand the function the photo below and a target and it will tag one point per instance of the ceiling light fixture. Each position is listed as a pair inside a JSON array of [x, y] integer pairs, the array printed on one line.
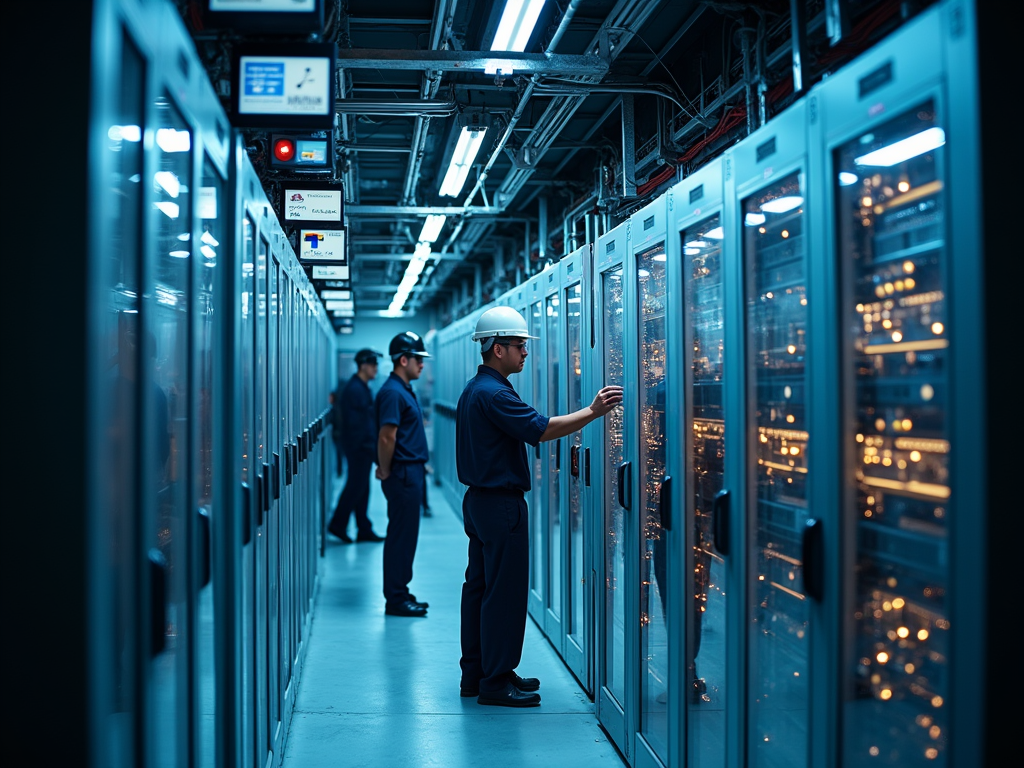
[[516, 25], [432, 228], [462, 160], [409, 280]]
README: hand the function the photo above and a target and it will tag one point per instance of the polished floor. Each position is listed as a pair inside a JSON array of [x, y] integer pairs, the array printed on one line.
[[382, 691]]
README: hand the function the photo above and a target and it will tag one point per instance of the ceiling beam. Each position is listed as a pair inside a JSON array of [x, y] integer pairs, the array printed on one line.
[[588, 65]]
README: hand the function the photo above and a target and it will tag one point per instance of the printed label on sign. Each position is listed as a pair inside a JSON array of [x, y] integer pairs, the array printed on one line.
[[312, 205], [322, 245]]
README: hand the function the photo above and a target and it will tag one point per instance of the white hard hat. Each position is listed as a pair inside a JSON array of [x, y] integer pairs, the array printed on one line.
[[501, 321]]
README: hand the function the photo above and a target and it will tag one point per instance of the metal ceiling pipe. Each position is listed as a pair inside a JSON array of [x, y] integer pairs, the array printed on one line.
[[405, 108]]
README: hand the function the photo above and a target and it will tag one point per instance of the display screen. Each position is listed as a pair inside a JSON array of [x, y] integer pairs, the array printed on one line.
[[284, 86]]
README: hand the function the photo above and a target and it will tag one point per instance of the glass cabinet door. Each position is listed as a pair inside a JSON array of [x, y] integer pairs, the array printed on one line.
[[891, 244], [537, 486], [613, 537], [167, 422], [553, 533], [574, 380], [705, 591], [777, 614], [654, 552]]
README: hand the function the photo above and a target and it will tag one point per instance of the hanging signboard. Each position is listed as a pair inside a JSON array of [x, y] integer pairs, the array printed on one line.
[[323, 245]]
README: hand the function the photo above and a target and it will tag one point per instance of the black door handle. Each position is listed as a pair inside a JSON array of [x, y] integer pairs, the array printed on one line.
[[276, 474], [246, 514], [157, 601], [558, 454], [574, 461], [720, 521], [813, 557], [586, 467], [203, 520], [665, 503], [625, 476]]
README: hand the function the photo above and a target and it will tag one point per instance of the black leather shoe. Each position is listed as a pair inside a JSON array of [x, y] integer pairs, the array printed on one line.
[[345, 538], [424, 603], [408, 608], [524, 683], [371, 536], [509, 696]]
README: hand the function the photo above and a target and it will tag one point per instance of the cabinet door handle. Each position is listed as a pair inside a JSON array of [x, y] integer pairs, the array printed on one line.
[[813, 556], [665, 503], [574, 461], [720, 521], [625, 477]]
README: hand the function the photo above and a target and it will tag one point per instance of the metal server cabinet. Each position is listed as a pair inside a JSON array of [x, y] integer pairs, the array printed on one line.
[[533, 392], [648, 425], [901, 138], [610, 480], [698, 631], [576, 641], [552, 354], [767, 348]]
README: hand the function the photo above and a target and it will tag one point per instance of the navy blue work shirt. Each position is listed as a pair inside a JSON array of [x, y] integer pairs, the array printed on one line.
[[396, 404], [357, 420], [492, 427]]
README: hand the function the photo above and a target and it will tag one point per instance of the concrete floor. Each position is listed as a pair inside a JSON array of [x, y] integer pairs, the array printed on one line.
[[382, 691]]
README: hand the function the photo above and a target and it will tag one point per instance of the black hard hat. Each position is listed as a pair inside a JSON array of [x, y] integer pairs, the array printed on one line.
[[407, 343], [367, 356]]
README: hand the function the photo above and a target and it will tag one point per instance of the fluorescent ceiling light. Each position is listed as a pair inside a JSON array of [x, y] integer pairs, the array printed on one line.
[[691, 251], [696, 244], [659, 257], [207, 251], [715, 234], [462, 160], [912, 146], [754, 219], [783, 204], [847, 179], [432, 227], [344, 313], [516, 25]]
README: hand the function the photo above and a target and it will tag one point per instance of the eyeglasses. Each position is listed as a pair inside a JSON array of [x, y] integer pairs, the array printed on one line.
[[521, 346]]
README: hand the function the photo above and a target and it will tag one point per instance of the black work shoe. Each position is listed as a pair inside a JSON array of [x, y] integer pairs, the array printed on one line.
[[509, 696], [345, 538], [408, 608], [371, 536], [424, 603], [524, 683]]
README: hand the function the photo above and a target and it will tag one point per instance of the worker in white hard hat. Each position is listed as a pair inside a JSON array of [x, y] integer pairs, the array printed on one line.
[[492, 427]]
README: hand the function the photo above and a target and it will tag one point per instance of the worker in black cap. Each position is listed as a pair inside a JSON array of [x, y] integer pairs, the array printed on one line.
[[358, 432], [402, 454]]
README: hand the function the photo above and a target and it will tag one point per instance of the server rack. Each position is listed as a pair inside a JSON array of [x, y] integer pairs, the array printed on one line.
[[611, 478], [696, 457]]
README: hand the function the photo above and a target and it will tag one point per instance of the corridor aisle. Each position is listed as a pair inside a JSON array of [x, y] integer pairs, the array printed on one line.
[[382, 691]]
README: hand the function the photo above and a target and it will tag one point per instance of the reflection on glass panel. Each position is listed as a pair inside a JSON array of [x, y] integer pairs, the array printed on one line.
[[210, 248], [574, 380], [891, 240], [776, 308], [117, 459], [554, 370], [537, 486], [248, 479], [705, 615], [614, 452], [168, 403], [654, 555]]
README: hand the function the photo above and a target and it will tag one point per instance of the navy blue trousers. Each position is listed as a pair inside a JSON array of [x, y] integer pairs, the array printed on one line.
[[355, 496], [496, 591], [404, 492]]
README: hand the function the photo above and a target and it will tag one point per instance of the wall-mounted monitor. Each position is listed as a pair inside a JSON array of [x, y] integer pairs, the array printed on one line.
[[284, 86], [273, 16]]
